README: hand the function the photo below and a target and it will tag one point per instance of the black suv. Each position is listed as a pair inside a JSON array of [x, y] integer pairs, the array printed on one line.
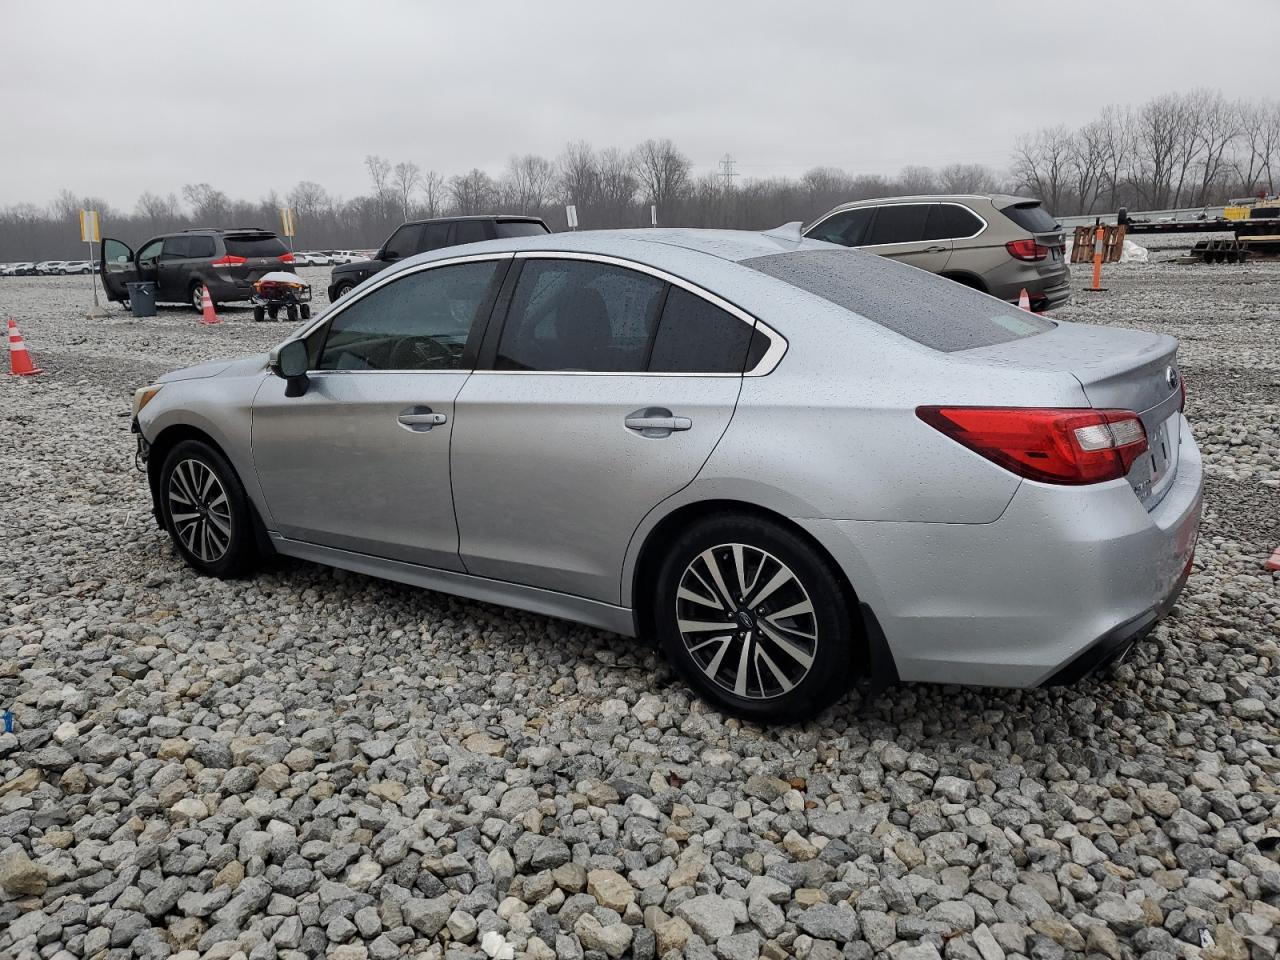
[[183, 264], [419, 236]]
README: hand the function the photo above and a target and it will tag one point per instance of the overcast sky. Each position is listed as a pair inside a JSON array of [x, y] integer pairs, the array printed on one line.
[[111, 99]]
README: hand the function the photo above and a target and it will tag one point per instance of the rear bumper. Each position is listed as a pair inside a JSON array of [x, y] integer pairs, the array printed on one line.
[[1047, 286], [1066, 579]]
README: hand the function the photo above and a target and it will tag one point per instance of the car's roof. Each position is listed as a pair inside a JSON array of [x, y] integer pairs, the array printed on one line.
[[506, 217], [999, 200], [731, 245]]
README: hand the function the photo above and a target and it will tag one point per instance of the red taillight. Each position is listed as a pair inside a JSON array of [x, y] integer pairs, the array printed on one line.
[[286, 258], [229, 261], [1026, 250], [1065, 446]]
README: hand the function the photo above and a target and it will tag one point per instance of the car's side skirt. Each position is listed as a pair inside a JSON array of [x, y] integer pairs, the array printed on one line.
[[591, 612]]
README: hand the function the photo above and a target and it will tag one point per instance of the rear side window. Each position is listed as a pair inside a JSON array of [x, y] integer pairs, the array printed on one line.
[[469, 231], [579, 315], [698, 337], [434, 236], [519, 228], [899, 223], [1032, 217], [175, 248], [921, 306], [254, 245], [849, 229], [950, 221], [199, 247]]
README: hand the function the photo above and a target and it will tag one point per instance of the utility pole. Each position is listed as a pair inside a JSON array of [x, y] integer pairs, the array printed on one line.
[[727, 172]]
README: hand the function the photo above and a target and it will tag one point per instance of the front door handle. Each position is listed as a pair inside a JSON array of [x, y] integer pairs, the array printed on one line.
[[656, 422], [420, 419], [935, 249]]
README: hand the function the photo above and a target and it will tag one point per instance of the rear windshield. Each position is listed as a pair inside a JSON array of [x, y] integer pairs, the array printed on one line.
[[924, 307], [1031, 217], [519, 228], [255, 245]]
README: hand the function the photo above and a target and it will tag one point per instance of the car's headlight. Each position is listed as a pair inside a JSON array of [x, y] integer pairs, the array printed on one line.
[[144, 395]]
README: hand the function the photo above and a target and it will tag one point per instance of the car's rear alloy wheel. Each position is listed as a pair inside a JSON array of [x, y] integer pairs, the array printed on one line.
[[756, 618], [205, 510], [747, 621], [197, 297]]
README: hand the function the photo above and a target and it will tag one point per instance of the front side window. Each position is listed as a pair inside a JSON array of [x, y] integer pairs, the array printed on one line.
[[696, 336], [580, 315], [849, 229], [899, 223], [149, 254], [420, 321], [404, 242]]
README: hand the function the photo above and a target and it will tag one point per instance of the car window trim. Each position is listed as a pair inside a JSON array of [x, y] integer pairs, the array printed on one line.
[[904, 203], [327, 318], [764, 366]]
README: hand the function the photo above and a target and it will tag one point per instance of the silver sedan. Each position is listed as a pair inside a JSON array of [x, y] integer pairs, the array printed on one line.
[[789, 463]]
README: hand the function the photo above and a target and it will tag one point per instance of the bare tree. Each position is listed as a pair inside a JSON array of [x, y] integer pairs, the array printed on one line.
[[432, 188], [916, 179], [616, 188], [530, 182], [1218, 128], [966, 178], [208, 205], [662, 172], [1041, 164], [406, 179], [309, 200], [160, 212], [472, 192]]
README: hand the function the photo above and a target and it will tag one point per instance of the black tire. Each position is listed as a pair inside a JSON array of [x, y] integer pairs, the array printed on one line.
[[306, 311], [259, 314], [197, 297], [784, 688], [273, 312], [220, 543], [292, 313]]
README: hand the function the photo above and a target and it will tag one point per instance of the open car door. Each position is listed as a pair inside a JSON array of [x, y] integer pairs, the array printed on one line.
[[117, 266]]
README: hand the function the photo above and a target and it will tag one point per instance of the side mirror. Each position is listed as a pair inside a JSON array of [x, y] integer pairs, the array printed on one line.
[[291, 365]]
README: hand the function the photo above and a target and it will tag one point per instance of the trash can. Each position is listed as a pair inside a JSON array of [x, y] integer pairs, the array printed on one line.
[[142, 298]]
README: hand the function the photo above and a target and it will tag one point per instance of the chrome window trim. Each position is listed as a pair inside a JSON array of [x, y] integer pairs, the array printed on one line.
[[772, 355], [906, 203], [764, 366]]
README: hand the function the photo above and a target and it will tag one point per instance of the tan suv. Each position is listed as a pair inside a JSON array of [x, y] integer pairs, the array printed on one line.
[[1000, 245]]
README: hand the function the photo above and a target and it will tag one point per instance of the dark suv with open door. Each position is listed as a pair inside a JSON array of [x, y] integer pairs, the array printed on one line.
[[419, 236], [182, 264]]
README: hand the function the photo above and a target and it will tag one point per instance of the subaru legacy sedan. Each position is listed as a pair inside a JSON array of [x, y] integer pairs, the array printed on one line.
[[790, 464]]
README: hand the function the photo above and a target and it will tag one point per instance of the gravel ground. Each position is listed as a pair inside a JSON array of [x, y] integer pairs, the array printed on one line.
[[314, 764]]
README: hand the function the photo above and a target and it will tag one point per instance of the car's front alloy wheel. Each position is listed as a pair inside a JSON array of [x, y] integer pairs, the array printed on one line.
[[756, 618], [205, 510]]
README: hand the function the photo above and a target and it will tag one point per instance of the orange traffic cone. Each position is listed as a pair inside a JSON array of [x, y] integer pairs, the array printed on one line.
[[1024, 301], [20, 364], [206, 309]]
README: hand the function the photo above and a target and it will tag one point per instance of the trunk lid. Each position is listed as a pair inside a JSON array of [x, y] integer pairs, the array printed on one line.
[[1118, 369]]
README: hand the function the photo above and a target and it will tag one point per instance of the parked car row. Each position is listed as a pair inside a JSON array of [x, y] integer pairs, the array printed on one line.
[[47, 268]]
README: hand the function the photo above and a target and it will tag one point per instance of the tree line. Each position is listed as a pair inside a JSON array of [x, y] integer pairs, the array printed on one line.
[[1189, 149]]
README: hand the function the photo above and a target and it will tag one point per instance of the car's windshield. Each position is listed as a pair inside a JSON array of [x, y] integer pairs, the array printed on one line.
[[928, 309]]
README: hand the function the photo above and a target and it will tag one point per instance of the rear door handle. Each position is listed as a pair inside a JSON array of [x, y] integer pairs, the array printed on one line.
[[935, 249], [656, 422], [420, 419]]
